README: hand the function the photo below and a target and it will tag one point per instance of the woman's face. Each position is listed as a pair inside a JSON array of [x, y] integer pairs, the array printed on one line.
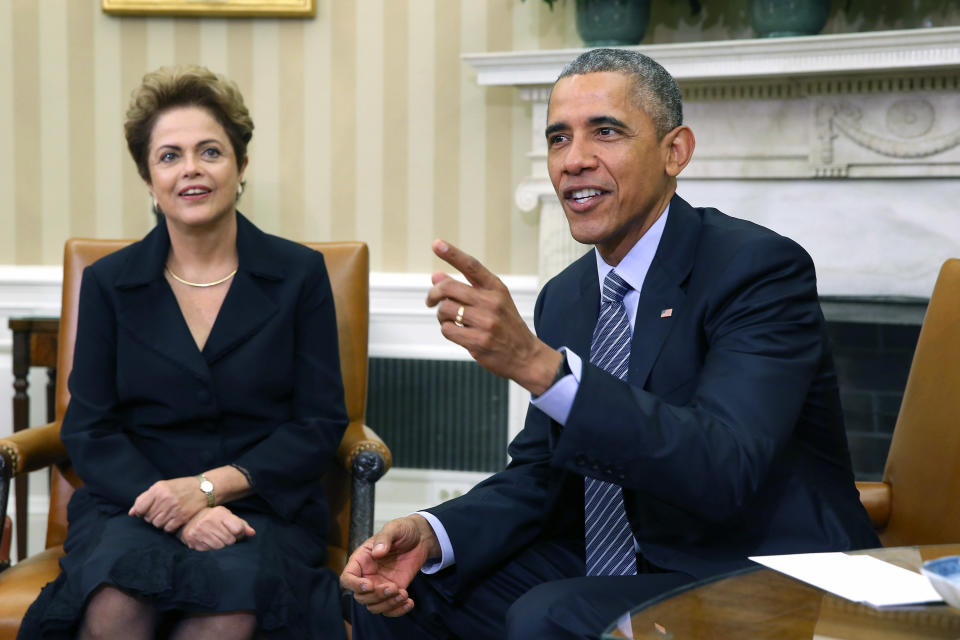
[[193, 171]]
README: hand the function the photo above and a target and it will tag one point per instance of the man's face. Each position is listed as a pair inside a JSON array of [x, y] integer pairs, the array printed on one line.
[[605, 162]]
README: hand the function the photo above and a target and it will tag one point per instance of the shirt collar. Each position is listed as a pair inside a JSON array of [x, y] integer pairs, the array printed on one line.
[[634, 266]]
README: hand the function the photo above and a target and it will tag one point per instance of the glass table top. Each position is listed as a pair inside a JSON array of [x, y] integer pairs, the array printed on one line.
[[761, 604]]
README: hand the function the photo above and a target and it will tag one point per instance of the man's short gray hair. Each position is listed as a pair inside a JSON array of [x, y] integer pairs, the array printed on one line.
[[654, 90]]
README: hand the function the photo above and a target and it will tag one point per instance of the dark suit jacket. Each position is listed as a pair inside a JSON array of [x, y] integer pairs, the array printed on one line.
[[265, 392], [727, 435]]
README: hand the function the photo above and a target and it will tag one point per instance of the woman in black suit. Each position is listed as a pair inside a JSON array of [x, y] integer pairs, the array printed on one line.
[[206, 403]]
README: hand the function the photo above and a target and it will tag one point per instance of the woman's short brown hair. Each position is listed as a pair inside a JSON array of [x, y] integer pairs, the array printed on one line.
[[185, 86]]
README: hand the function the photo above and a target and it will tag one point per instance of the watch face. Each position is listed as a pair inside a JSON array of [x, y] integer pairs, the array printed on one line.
[[206, 486]]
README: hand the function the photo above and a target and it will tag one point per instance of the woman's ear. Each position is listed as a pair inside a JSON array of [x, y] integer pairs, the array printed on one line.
[[679, 145]]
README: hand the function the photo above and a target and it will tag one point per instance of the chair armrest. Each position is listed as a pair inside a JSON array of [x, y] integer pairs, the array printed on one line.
[[25, 451], [31, 449], [875, 497], [357, 439], [366, 458]]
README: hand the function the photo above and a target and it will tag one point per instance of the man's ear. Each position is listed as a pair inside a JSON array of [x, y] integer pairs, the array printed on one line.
[[678, 145]]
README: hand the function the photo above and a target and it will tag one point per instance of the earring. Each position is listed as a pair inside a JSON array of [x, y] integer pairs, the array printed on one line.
[[239, 189]]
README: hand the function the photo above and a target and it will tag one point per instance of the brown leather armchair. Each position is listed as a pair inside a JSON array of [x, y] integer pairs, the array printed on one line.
[[363, 458], [918, 501]]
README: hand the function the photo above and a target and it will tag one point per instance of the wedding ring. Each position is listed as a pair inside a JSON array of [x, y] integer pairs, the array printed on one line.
[[459, 319]]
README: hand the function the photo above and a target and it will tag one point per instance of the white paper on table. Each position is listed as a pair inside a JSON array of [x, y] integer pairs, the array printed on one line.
[[859, 578]]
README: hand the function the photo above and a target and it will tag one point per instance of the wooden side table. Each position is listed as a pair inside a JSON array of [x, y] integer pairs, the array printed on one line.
[[34, 345]]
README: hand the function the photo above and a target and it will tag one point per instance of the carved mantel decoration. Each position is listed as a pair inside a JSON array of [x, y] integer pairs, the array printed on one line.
[[904, 130], [773, 114]]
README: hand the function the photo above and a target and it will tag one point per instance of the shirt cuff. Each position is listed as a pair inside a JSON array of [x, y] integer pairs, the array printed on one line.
[[446, 556], [557, 401]]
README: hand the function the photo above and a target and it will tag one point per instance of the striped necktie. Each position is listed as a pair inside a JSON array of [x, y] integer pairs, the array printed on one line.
[[608, 537]]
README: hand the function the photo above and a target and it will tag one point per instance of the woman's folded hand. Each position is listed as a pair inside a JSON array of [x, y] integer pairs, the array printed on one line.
[[214, 528], [169, 504]]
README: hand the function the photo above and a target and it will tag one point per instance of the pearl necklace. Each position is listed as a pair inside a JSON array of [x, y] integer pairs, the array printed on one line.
[[200, 284]]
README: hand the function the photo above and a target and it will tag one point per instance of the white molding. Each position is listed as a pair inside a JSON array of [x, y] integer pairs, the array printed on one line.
[[17, 275], [402, 326], [904, 51], [30, 290]]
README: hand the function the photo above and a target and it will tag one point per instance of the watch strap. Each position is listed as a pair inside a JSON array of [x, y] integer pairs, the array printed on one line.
[[207, 487], [562, 371]]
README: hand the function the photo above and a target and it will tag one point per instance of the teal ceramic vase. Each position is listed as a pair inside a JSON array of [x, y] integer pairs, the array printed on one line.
[[610, 23], [781, 18]]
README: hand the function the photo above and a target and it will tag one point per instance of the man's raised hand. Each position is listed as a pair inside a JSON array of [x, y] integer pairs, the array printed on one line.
[[482, 318]]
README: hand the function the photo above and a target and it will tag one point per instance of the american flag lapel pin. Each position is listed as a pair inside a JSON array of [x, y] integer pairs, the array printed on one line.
[[666, 313]]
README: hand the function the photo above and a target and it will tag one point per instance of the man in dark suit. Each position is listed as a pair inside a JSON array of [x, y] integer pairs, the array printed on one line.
[[685, 412]]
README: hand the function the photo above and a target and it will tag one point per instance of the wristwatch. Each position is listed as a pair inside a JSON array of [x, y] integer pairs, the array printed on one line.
[[207, 487], [562, 371]]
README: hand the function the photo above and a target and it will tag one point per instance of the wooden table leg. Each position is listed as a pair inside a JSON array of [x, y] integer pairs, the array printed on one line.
[[34, 344], [51, 394], [21, 420]]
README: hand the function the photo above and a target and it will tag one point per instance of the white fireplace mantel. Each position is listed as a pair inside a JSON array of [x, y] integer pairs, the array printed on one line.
[[842, 54], [871, 119]]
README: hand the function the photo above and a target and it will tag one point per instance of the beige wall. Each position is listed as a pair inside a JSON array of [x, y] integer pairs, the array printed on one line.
[[368, 125]]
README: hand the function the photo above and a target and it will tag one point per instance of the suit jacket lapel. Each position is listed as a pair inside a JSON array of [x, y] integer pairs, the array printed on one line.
[[581, 317], [247, 305], [245, 309], [662, 296], [147, 308], [572, 325]]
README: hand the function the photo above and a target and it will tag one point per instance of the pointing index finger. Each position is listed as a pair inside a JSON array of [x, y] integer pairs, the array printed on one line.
[[475, 273]]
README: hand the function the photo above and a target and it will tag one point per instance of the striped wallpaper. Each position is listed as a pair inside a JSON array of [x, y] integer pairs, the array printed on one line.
[[368, 125]]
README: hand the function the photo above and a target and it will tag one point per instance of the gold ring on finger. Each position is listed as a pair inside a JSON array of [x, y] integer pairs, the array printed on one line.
[[459, 319]]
